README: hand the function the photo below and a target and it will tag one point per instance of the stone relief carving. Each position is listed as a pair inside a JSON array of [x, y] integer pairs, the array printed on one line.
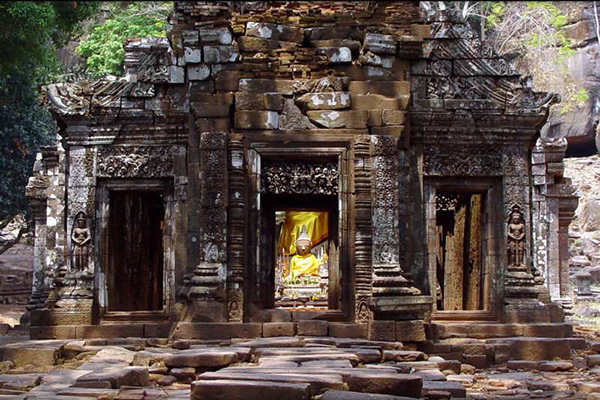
[[470, 160], [363, 314], [135, 161], [300, 177], [516, 238], [81, 238]]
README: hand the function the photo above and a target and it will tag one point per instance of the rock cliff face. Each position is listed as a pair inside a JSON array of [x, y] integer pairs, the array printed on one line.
[[585, 229], [581, 127]]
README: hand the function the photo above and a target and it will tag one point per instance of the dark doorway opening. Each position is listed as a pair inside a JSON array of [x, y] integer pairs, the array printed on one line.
[[135, 251], [459, 271], [296, 282]]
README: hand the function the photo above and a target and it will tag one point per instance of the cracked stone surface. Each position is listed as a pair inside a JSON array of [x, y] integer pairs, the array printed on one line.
[[283, 368]]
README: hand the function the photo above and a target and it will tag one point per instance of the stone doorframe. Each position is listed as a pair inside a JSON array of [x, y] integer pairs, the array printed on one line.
[[282, 152], [103, 191], [492, 232]]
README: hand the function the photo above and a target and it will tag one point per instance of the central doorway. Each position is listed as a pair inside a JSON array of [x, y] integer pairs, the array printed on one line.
[[135, 251], [302, 280]]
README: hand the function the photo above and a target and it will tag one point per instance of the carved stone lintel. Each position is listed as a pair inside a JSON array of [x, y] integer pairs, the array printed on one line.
[[135, 162], [293, 177], [469, 160]]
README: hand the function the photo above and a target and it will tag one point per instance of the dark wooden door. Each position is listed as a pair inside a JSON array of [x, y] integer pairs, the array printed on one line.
[[135, 251]]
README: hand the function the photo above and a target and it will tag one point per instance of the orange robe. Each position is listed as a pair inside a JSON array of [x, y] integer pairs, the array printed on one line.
[[304, 265]]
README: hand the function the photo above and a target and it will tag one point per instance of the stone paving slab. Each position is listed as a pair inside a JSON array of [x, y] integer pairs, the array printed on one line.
[[318, 383], [237, 390], [327, 367]]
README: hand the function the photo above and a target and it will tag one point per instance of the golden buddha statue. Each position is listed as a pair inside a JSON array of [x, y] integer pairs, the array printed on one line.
[[303, 263]]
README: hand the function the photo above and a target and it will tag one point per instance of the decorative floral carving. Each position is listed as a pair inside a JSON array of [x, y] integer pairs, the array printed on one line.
[[469, 160], [293, 177], [135, 161]]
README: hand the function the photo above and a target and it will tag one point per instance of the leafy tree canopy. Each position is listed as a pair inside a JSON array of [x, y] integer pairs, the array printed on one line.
[[31, 32], [103, 48]]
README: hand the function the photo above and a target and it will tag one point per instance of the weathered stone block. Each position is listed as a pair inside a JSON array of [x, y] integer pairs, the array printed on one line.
[[245, 119], [353, 45], [192, 55], [52, 332], [258, 101], [281, 86], [336, 55], [377, 60], [272, 329], [275, 32], [377, 101], [312, 328], [377, 43], [393, 117], [388, 130], [248, 390], [396, 384], [476, 360], [340, 119], [346, 395], [227, 81], [342, 330], [410, 331], [213, 358], [198, 72], [375, 118], [384, 88], [403, 355], [455, 389], [220, 54], [382, 330], [255, 44], [176, 74], [325, 101], [215, 36], [109, 331]]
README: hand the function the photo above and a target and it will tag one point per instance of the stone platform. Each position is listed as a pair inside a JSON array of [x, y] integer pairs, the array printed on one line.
[[300, 367]]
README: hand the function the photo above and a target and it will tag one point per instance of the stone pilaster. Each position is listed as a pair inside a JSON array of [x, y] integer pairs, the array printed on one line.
[[363, 244], [236, 222]]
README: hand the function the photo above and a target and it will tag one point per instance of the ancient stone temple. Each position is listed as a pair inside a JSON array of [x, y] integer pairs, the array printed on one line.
[[359, 169]]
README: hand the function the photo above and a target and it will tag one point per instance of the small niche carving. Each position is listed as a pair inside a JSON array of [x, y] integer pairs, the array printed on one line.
[[81, 239], [516, 238]]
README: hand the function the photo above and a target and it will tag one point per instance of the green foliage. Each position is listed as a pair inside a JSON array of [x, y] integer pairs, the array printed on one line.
[[536, 29], [103, 49], [31, 32], [496, 12], [24, 126]]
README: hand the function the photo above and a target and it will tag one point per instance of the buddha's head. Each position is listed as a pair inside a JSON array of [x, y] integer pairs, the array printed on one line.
[[303, 243]]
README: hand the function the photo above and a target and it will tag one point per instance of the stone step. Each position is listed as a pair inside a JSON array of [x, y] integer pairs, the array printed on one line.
[[318, 383], [248, 390], [485, 331], [535, 348]]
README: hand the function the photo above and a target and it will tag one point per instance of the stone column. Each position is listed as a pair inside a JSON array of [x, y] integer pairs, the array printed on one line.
[[389, 277], [554, 204], [206, 285], [523, 285], [363, 250], [236, 223]]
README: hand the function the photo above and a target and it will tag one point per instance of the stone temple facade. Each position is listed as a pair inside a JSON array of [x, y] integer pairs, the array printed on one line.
[[156, 212]]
